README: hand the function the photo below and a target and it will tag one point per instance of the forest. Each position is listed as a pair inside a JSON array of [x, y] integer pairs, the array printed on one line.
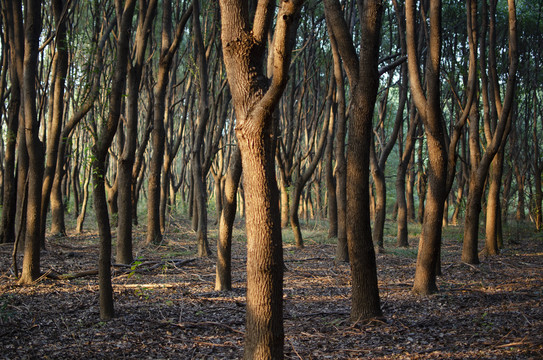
[[266, 179]]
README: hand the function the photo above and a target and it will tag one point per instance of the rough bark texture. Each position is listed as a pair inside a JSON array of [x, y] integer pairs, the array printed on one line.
[[254, 102]]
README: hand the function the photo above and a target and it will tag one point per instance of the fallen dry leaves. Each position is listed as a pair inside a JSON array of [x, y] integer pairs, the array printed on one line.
[[166, 307]]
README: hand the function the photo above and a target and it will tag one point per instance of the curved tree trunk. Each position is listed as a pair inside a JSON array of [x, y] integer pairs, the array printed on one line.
[[429, 109], [223, 279], [402, 217], [493, 209], [100, 150], [363, 77]]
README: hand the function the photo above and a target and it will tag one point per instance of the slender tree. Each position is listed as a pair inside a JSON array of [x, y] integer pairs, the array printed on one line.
[[32, 30], [363, 76], [429, 108], [101, 147]]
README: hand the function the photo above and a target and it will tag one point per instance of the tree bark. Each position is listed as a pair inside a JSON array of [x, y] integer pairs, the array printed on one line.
[[56, 111], [12, 22], [363, 77], [33, 24], [254, 103], [168, 49], [223, 279], [147, 12], [429, 110], [100, 150]]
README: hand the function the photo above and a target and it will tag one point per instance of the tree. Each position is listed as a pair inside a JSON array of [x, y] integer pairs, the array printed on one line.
[[32, 30], [429, 109], [501, 113], [100, 151], [168, 49], [254, 102], [363, 78], [56, 108], [13, 30], [147, 12]]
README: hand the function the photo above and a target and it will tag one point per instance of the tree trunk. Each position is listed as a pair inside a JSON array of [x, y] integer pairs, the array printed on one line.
[[342, 253], [363, 77], [168, 49], [33, 24], [56, 114], [402, 217], [83, 213], [200, 189], [429, 110], [254, 104], [12, 21], [223, 279], [493, 210], [100, 150]]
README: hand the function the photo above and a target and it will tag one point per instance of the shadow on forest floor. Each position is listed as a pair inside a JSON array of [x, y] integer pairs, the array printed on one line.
[[166, 307]]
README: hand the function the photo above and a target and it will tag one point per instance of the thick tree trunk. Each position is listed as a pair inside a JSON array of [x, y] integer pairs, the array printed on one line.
[[254, 104]]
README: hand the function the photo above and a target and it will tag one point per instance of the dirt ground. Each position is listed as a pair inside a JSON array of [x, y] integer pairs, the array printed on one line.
[[166, 306]]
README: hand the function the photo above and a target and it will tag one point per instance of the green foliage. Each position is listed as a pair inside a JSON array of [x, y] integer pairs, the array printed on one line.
[[134, 267]]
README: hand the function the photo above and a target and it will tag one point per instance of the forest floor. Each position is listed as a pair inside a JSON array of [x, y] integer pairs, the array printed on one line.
[[166, 306]]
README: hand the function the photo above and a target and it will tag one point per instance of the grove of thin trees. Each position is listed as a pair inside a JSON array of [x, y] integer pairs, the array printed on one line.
[[278, 113]]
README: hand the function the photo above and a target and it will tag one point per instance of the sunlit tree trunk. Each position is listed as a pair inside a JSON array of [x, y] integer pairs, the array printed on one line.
[[243, 50], [428, 106]]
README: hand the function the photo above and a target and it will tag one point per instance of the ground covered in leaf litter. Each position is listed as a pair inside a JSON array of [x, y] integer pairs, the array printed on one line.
[[166, 306]]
